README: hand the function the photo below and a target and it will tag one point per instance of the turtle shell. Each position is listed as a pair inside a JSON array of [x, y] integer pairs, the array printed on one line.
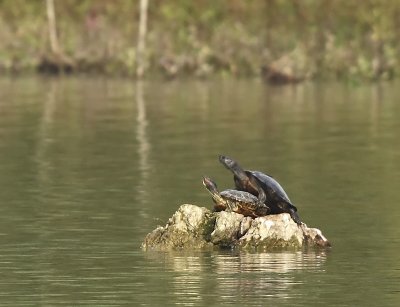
[[272, 185], [244, 203], [239, 196]]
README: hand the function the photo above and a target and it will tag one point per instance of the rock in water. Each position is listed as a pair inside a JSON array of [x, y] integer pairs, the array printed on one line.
[[273, 231], [227, 228], [193, 227], [187, 228], [314, 236]]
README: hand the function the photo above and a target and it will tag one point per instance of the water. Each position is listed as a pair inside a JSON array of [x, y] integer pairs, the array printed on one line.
[[89, 166]]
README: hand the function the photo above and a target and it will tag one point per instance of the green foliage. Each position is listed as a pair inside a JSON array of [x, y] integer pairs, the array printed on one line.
[[342, 38]]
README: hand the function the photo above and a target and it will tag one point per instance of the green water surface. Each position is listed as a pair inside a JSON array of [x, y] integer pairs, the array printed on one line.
[[89, 166]]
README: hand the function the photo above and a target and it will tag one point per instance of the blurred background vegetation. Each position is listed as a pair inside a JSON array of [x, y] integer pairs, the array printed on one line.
[[346, 39]]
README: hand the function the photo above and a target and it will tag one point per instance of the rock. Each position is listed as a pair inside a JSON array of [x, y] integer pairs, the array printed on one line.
[[189, 227], [314, 236], [273, 231], [290, 68], [56, 63], [193, 227], [227, 228]]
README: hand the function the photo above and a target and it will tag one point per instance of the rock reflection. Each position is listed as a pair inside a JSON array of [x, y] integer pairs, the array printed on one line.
[[188, 286], [263, 274], [278, 262], [229, 275]]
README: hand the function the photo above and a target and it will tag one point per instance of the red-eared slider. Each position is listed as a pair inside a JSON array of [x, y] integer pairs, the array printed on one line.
[[236, 201], [250, 181]]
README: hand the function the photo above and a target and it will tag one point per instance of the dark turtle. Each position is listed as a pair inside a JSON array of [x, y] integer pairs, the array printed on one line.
[[236, 201], [250, 181]]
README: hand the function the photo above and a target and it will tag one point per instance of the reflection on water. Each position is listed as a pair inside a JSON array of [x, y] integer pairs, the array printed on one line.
[[143, 147], [237, 274], [45, 127]]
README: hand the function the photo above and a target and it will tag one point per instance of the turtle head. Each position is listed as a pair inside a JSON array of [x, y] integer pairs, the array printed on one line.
[[210, 185], [234, 167], [227, 162]]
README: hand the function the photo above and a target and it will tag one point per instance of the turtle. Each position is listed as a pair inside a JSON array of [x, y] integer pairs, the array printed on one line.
[[237, 201], [251, 181]]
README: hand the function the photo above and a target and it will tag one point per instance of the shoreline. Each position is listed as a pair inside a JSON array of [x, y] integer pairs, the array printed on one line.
[[301, 40]]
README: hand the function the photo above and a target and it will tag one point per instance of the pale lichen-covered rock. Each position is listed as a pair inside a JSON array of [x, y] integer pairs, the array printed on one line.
[[189, 218], [187, 228], [193, 227], [226, 228], [273, 231]]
